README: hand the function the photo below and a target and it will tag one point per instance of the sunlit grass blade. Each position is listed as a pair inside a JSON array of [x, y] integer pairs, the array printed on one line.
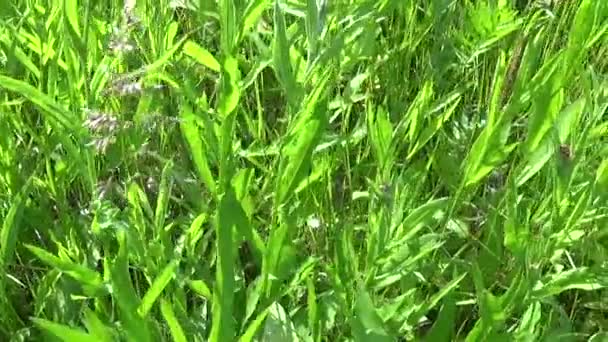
[[314, 322], [97, 328], [312, 30], [430, 303], [229, 99], [380, 133], [254, 326], [528, 327], [253, 12], [151, 68], [281, 58], [162, 202], [200, 288], [489, 148], [124, 293], [278, 326], [201, 55], [421, 216], [223, 328], [63, 332], [229, 24], [492, 314], [18, 54], [11, 224], [157, 287], [546, 105], [583, 278], [198, 151], [56, 113], [367, 324], [70, 8], [302, 139], [176, 330], [82, 274]]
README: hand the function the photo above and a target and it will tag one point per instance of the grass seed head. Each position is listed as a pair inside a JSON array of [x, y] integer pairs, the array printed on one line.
[[101, 122]]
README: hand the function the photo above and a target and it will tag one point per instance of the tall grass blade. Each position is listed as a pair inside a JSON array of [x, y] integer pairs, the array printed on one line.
[[157, 287], [223, 328], [176, 330], [302, 140], [201, 55], [63, 332], [198, 152]]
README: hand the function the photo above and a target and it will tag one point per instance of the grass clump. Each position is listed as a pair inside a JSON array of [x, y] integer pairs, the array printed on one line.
[[303, 170]]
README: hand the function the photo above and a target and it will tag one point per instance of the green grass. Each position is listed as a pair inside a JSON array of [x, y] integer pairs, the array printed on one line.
[[297, 170]]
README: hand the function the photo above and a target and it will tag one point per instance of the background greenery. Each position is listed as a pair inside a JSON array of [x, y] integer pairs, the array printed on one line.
[[303, 170]]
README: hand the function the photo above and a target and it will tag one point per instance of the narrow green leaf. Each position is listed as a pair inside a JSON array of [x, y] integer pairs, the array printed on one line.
[[582, 278], [56, 113], [127, 300], [101, 75], [252, 15], [367, 324], [527, 329], [165, 57], [170, 34], [312, 29], [535, 161], [162, 202], [17, 53], [201, 55], [194, 234], [176, 330], [254, 327], [157, 288], [191, 133], [230, 93], [451, 102], [423, 215], [416, 111], [11, 225], [490, 308], [278, 326], [546, 104], [201, 288], [96, 327], [223, 293], [157, 64], [228, 26], [443, 329], [254, 73], [70, 8], [601, 177], [568, 118], [81, 273], [229, 99], [488, 151], [435, 299], [314, 322], [281, 60], [580, 31], [599, 337], [301, 142], [63, 332], [380, 135], [274, 253]]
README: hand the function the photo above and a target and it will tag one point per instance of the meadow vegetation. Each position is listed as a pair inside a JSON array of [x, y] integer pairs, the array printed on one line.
[[303, 170]]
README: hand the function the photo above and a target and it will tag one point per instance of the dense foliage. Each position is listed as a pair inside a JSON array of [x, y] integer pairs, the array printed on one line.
[[303, 170]]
